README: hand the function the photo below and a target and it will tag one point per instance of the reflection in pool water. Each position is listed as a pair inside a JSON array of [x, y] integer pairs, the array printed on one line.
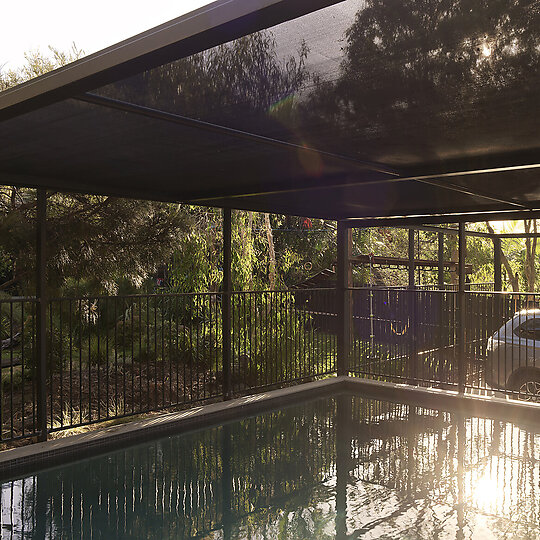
[[346, 467]]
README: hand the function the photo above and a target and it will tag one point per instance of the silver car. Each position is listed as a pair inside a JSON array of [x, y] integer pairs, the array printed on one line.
[[513, 356]]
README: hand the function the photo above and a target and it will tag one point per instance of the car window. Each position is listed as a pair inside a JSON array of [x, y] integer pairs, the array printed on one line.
[[529, 329]]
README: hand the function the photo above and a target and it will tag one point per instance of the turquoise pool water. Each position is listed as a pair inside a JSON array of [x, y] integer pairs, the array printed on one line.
[[344, 467]]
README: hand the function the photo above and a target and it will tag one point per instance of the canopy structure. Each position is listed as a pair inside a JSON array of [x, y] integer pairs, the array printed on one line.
[[341, 110]]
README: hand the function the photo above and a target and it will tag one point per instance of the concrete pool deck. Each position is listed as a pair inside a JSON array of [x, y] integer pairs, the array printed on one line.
[[24, 460]]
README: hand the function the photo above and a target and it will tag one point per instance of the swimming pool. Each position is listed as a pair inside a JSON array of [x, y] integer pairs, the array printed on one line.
[[343, 466]]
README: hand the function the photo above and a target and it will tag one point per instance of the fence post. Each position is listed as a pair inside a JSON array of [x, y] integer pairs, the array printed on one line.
[[226, 308], [462, 250], [41, 315], [413, 309], [344, 282]]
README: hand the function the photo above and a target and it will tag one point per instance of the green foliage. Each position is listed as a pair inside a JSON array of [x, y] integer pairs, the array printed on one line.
[[38, 64], [300, 251], [227, 84], [95, 242]]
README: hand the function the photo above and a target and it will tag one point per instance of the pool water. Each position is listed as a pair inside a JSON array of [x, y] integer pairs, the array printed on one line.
[[341, 467]]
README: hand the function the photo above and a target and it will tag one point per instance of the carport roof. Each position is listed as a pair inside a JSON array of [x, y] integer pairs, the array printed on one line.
[[338, 110]]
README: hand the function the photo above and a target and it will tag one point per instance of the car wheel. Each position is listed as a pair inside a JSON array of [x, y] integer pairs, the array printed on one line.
[[528, 387]]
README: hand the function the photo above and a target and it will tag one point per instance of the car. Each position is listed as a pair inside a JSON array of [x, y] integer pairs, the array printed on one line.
[[513, 356]]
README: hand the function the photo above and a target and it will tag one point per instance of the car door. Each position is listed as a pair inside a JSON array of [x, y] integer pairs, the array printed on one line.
[[526, 344]]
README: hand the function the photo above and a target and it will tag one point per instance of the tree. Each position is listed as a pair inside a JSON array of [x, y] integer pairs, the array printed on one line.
[[412, 68], [520, 255], [530, 254], [37, 64], [94, 243], [243, 84]]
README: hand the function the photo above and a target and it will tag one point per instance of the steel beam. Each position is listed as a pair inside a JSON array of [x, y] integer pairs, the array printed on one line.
[[157, 114], [518, 235], [447, 230], [451, 186], [434, 219]]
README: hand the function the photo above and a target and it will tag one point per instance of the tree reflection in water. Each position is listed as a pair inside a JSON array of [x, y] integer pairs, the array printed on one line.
[[390, 470]]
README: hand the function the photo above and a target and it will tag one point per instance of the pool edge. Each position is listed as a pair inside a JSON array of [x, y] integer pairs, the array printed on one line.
[[508, 410]]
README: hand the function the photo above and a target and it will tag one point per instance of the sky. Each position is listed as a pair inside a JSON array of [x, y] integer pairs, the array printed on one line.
[[35, 24]]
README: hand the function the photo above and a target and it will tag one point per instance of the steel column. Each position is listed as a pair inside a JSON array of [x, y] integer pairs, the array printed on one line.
[[41, 315], [462, 251], [226, 306], [497, 256], [440, 272], [344, 282], [412, 267]]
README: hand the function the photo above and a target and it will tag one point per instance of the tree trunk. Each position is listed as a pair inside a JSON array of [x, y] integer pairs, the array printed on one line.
[[530, 254], [271, 253], [512, 276]]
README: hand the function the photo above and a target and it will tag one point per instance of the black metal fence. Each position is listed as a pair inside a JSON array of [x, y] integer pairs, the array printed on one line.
[[405, 335], [18, 359], [111, 357], [415, 336]]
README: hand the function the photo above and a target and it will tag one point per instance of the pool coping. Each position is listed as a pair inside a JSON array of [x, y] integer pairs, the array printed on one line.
[[24, 460], [500, 408]]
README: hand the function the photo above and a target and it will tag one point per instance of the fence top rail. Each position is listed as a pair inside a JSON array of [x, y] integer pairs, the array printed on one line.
[[506, 293]]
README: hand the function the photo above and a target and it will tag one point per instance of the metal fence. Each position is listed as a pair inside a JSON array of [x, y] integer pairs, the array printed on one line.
[[111, 357], [18, 359], [415, 336]]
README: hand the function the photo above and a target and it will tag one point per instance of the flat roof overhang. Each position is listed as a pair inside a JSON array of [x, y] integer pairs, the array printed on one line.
[[114, 123]]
